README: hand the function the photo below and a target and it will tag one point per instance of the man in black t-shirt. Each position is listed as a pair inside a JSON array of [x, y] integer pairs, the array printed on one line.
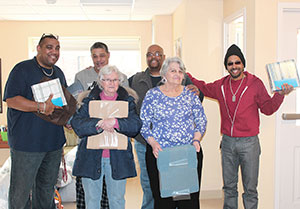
[[36, 145]]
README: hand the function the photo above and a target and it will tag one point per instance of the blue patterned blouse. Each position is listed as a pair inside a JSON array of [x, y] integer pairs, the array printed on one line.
[[172, 121]]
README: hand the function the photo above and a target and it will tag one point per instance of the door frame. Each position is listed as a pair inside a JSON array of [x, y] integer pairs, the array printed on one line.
[[226, 22], [282, 7]]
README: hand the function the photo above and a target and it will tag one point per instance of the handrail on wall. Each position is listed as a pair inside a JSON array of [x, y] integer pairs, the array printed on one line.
[[290, 116]]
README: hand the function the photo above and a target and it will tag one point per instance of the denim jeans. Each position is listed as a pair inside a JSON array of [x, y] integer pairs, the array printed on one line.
[[244, 152], [148, 201], [115, 189], [36, 172]]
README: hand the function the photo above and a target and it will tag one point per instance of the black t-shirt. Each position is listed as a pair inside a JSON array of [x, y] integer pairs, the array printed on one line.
[[155, 80], [26, 131]]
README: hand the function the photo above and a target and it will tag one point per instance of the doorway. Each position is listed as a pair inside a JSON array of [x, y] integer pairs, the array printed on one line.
[[235, 32], [287, 167]]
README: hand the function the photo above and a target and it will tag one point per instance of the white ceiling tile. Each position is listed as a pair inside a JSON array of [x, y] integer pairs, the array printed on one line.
[[65, 17], [74, 10], [106, 9], [58, 2], [13, 2], [17, 10], [58, 10]]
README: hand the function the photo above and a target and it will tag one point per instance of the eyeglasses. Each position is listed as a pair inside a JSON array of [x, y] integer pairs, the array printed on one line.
[[110, 80], [231, 63], [48, 35], [156, 54]]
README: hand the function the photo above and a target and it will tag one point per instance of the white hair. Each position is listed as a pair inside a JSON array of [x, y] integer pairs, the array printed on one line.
[[106, 70], [165, 66]]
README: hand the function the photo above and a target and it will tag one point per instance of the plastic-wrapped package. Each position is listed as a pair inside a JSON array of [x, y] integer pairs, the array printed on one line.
[[4, 182], [68, 190], [178, 171], [108, 109]]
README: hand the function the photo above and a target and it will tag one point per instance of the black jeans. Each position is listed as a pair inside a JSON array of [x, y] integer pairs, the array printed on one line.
[[169, 203]]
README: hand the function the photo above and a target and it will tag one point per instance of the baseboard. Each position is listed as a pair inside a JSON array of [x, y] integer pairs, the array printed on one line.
[[211, 194]]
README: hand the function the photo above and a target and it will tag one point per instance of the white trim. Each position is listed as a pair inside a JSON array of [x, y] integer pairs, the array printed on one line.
[[229, 19], [153, 32], [282, 7]]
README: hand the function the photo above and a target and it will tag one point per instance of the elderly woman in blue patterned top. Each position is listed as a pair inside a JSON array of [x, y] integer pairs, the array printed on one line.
[[172, 116]]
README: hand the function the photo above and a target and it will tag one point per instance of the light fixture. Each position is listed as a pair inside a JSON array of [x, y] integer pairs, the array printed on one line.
[[50, 1]]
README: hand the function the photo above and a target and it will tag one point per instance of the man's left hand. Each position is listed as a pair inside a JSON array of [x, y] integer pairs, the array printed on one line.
[[286, 89], [193, 89]]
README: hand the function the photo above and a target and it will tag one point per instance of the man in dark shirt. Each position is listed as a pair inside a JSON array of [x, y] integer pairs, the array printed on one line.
[[36, 145]]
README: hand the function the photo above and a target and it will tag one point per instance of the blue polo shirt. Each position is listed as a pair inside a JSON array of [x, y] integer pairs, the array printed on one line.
[[26, 131]]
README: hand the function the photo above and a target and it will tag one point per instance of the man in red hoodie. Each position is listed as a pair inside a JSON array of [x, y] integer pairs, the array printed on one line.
[[240, 95]]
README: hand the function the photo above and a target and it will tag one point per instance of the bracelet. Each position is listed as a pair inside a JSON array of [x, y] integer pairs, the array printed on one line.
[[38, 107], [196, 140], [44, 107]]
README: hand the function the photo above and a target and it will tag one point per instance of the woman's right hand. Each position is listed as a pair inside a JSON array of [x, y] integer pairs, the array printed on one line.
[[107, 124], [155, 146], [197, 145]]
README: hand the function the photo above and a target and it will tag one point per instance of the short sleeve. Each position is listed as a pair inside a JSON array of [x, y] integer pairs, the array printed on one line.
[[15, 85]]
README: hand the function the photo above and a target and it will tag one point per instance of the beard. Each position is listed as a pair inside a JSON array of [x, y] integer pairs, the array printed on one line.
[[154, 64], [234, 75]]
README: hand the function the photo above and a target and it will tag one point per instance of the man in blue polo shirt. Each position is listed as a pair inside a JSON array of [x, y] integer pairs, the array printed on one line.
[[35, 144]]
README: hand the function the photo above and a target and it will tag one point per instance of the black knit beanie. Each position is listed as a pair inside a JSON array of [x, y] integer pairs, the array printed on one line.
[[234, 50]]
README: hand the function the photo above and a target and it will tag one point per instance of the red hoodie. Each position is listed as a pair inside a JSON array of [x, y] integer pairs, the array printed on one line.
[[240, 118]]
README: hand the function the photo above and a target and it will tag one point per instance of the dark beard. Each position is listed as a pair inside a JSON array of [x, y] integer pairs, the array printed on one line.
[[156, 67], [236, 76]]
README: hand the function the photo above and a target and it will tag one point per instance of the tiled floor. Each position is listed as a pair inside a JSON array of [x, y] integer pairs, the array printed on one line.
[[133, 194]]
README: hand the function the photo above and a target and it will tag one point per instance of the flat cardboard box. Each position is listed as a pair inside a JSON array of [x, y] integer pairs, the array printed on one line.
[[108, 109]]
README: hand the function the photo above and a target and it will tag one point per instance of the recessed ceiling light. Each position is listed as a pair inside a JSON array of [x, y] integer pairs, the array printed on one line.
[[50, 1]]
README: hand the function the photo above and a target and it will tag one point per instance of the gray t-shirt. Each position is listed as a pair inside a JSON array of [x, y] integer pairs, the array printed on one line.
[[87, 76]]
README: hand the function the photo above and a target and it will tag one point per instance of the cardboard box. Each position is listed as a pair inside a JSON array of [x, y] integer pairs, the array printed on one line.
[[108, 109]]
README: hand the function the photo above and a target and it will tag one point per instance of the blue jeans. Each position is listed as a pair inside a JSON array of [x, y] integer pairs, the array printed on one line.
[[115, 189], [148, 201], [244, 152], [36, 171]]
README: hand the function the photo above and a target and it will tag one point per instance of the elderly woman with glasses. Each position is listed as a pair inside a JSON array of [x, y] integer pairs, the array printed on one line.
[[93, 164], [172, 116]]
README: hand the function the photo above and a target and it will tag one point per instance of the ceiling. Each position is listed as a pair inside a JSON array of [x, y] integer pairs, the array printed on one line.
[[97, 10]]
